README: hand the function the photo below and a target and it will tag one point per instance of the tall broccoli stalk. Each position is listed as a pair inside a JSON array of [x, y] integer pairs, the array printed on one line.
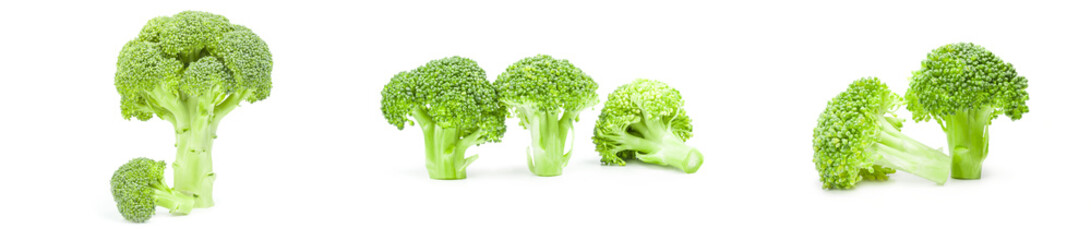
[[964, 87], [547, 95], [192, 69], [645, 120], [455, 106]]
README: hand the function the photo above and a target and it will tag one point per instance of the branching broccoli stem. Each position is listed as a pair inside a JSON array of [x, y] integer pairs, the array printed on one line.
[[445, 148], [195, 119], [901, 152], [549, 133], [179, 203], [968, 139], [654, 141]]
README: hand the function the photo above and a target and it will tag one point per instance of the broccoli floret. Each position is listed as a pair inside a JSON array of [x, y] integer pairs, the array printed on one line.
[[547, 96], [964, 87], [138, 187], [645, 120], [859, 137], [192, 69], [455, 106]]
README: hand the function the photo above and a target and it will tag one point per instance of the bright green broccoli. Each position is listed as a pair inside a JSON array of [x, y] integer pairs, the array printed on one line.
[[547, 96], [192, 69], [645, 120], [858, 137], [964, 87], [138, 187], [455, 106]]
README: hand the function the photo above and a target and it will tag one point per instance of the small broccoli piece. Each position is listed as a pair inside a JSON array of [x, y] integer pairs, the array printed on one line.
[[645, 120], [859, 137], [138, 187], [455, 106], [547, 96], [192, 69], [964, 87]]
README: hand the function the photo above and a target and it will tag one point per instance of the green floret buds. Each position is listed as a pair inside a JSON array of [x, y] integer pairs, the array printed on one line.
[[645, 120], [455, 106], [859, 137], [138, 187], [964, 87], [192, 69], [547, 95]]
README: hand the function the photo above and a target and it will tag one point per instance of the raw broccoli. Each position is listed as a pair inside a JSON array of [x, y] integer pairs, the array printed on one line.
[[964, 87], [455, 106], [138, 187], [859, 137], [547, 96], [645, 120], [192, 69]]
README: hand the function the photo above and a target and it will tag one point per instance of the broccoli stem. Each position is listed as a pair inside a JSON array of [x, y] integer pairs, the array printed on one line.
[[193, 165], [661, 146], [968, 140], [195, 126], [546, 155], [903, 153], [445, 150], [178, 202]]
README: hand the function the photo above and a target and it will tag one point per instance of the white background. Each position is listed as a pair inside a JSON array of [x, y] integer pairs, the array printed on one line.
[[317, 160]]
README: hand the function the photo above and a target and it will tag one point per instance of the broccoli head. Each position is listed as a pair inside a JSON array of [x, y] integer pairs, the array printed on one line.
[[964, 87], [859, 137], [547, 95], [192, 69], [645, 120], [138, 187], [455, 106]]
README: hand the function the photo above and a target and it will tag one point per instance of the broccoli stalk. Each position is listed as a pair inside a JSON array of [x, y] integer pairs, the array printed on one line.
[[655, 142], [546, 155], [178, 202], [445, 149], [901, 152], [195, 121], [968, 139]]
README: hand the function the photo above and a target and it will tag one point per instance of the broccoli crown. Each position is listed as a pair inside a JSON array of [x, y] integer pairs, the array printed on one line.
[[547, 84], [191, 53], [848, 128], [962, 77], [640, 101], [450, 93], [133, 188]]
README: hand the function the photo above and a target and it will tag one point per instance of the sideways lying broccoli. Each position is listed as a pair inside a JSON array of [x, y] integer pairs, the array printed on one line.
[[547, 95], [138, 187], [455, 106], [964, 87], [645, 120], [192, 69], [858, 137]]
